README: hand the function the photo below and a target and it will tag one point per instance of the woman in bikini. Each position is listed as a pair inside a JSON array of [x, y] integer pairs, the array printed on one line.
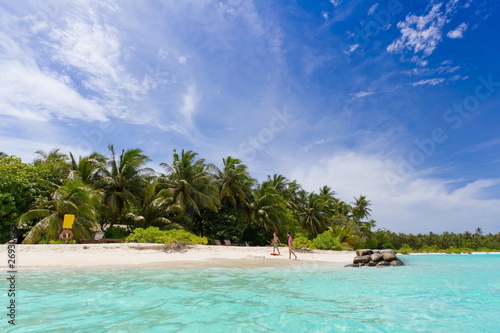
[[290, 246]]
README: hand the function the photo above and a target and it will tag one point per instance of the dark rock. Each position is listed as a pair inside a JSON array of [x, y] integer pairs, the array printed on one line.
[[397, 262], [362, 259], [389, 256], [363, 252], [367, 257], [383, 263]]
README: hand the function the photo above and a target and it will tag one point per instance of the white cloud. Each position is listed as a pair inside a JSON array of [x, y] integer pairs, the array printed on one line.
[[93, 50], [336, 3], [372, 9], [414, 203], [30, 92], [362, 94], [351, 48], [190, 100], [420, 34], [445, 69], [431, 82], [458, 32]]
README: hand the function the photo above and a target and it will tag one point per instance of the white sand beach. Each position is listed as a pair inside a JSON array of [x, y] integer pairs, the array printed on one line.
[[157, 256]]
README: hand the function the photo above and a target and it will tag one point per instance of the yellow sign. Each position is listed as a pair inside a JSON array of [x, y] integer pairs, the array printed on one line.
[[69, 219]]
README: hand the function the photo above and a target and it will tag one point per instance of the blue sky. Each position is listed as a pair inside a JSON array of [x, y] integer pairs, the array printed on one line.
[[394, 100]]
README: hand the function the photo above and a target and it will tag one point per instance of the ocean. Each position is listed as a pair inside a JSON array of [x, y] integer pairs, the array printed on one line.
[[432, 293]]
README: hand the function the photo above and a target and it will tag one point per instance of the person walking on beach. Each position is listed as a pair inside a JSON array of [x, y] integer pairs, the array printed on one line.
[[290, 246], [276, 243]]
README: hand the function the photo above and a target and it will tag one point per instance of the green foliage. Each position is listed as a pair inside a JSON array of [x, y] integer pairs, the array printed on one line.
[[302, 242], [183, 236], [254, 235], [454, 250], [19, 190], [326, 241], [60, 241], [193, 195], [155, 235], [429, 249], [431, 242], [405, 249], [116, 233]]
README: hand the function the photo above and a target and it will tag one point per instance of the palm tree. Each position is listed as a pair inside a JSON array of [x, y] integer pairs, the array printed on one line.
[[53, 156], [278, 182], [192, 184], [89, 169], [268, 211], [360, 208], [314, 216], [124, 181], [73, 197], [53, 166], [235, 183], [327, 191], [155, 208]]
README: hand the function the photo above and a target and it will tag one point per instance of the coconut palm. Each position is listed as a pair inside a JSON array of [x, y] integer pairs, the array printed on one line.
[[73, 197], [90, 169], [123, 182], [360, 208], [314, 216], [53, 156], [155, 208], [235, 183], [327, 191], [278, 182], [192, 185], [268, 209]]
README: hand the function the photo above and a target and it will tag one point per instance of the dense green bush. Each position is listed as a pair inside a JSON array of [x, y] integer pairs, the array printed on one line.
[[116, 233], [327, 241], [301, 242], [155, 235], [430, 249], [455, 250], [60, 241], [405, 249]]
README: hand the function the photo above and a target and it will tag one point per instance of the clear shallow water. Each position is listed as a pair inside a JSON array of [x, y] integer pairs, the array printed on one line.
[[433, 293]]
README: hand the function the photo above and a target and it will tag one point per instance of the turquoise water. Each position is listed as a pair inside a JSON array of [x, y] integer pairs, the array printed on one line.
[[433, 293]]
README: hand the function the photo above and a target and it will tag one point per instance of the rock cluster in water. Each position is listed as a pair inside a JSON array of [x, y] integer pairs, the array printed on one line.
[[367, 257]]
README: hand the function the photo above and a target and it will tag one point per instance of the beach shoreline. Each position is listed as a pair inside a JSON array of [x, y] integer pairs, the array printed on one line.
[[159, 256]]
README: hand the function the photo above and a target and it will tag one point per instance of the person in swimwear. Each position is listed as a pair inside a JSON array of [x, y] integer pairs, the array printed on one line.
[[276, 243], [290, 246]]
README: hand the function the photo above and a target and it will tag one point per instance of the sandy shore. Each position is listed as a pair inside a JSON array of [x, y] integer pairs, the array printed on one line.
[[156, 256]]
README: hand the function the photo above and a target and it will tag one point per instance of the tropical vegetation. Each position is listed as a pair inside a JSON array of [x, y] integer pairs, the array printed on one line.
[[191, 201]]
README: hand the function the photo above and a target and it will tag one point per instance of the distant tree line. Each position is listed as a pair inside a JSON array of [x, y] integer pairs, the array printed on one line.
[[118, 193]]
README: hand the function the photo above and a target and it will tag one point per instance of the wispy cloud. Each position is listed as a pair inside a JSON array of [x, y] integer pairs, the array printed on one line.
[[372, 9], [31, 92], [336, 3], [360, 94], [483, 146], [445, 69], [458, 33], [431, 82], [420, 34]]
